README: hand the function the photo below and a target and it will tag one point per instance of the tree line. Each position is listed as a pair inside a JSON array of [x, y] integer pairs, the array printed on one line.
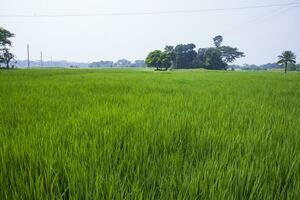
[[184, 56], [265, 67], [287, 60], [119, 63]]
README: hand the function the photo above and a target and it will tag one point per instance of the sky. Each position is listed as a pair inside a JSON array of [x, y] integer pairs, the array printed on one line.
[[261, 33]]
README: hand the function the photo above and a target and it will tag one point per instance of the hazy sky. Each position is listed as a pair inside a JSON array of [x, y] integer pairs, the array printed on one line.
[[261, 33]]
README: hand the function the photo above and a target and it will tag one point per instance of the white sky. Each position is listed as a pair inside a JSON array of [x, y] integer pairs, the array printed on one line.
[[261, 33]]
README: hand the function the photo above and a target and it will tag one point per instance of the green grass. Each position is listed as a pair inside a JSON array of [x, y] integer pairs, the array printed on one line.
[[112, 134]]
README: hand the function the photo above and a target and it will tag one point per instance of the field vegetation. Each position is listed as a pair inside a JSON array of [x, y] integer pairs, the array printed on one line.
[[111, 134]]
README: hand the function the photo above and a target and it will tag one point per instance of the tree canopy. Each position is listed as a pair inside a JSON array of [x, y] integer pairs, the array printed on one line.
[[5, 43], [285, 58], [5, 36], [159, 59], [185, 56], [213, 59], [6, 57], [218, 40], [230, 54]]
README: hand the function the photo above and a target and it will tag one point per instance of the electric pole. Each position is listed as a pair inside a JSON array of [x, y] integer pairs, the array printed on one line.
[[41, 59], [28, 61]]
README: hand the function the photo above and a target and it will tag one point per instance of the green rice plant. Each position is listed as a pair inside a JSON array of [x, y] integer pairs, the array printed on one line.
[[134, 134]]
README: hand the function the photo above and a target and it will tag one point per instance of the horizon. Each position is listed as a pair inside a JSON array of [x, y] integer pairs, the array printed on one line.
[[132, 61]]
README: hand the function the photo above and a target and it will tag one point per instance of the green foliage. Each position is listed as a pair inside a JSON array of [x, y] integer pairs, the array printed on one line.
[[285, 58], [5, 55], [123, 134], [201, 56], [165, 61], [184, 56], [153, 59], [213, 59], [5, 36], [293, 67], [159, 60], [170, 51], [219, 57], [230, 54], [218, 41]]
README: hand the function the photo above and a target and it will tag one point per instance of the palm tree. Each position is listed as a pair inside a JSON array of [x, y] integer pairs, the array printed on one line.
[[285, 58]]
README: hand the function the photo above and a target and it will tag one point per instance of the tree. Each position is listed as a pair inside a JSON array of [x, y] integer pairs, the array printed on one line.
[[170, 51], [200, 59], [123, 63], [213, 59], [159, 60], [6, 57], [165, 61], [101, 64], [4, 37], [285, 58], [139, 63], [5, 43], [153, 59], [185, 55], [218, 40], [220, 56], [230, 54], [293, 67]]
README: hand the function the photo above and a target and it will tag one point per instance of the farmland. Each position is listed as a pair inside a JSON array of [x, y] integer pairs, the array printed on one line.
[[111, 134]]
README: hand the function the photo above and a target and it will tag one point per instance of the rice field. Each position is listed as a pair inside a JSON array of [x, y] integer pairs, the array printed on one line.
[[130, 134]]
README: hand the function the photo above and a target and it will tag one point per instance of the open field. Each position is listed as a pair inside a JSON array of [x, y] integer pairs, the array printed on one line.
[[105, 134]]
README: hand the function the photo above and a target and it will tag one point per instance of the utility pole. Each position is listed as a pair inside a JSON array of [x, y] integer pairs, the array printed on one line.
[[28, 61], [41, 59]]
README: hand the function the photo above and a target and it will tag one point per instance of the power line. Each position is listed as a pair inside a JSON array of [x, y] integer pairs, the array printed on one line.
[[150, 12], [261, 19]]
